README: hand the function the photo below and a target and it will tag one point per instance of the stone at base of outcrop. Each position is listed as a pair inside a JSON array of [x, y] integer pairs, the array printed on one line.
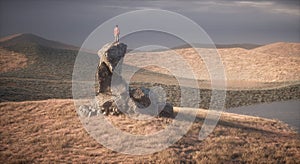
[[88, 111], [167, 111], [107, 106], [136, 103]]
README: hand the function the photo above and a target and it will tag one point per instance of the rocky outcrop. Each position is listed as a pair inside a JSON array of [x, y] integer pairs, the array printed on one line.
[[136, 101], [110, 56]]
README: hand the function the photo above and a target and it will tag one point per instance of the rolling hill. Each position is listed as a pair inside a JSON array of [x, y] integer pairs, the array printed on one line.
[[218, 46], [27, 38], [46, 59], [280, 49], [46, 74], [33, 68], [261, 65]]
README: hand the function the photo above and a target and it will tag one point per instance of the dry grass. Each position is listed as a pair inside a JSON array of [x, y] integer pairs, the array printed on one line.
[[10, 61], [50, 131], [283, 49], [271, 63]]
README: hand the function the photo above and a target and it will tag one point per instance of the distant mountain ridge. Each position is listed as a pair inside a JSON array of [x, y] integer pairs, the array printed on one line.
[[247, 46], [22, 38]]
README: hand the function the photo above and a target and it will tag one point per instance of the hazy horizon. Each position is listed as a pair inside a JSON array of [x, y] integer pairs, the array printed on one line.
[[225, 21]]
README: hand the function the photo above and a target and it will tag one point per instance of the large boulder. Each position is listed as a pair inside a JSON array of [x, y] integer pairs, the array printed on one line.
[[151, 99], [140, 96]]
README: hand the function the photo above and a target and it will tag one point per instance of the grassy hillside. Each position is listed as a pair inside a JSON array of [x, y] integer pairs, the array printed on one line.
[[281, 49], [245, 46], [239, 64], [48, 71], [50, 130], [44, 62], [10, 60], [47, 74]]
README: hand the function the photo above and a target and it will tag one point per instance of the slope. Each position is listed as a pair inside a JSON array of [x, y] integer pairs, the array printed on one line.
[[48, 70], [282, 49], [10, 60], [50, 130]]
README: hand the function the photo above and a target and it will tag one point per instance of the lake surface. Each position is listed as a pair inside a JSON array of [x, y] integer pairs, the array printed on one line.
[[286, 111]]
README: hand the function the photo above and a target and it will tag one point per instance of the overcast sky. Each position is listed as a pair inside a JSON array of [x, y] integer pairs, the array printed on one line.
[[226, 21]]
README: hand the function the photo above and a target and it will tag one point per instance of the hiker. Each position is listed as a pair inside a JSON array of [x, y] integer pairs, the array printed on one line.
[[116, 34]]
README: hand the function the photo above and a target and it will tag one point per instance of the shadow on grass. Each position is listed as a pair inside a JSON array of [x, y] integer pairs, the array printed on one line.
[[199, 120]]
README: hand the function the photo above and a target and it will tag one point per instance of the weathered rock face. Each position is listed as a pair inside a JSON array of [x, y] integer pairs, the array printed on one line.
[[119, 98], [110, 56]]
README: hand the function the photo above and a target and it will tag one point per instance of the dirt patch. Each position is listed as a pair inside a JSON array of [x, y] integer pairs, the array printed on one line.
[[49, 130]]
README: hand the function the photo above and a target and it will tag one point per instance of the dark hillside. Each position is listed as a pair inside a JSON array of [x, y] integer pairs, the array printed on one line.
[[48, 73]]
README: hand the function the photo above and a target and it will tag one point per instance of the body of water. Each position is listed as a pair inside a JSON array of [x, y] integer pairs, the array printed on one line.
[[286, 111]]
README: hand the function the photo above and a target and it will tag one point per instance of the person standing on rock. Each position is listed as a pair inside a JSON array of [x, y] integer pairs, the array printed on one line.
[[116, 34]]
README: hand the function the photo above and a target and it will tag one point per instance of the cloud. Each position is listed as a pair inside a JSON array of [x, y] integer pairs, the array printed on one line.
[[226, 21], [279, 2], [128, 7], [290, 7], [285, 7]]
